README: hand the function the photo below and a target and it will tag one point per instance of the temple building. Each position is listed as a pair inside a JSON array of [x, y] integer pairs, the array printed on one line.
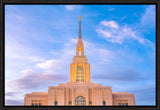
[[80, 90]]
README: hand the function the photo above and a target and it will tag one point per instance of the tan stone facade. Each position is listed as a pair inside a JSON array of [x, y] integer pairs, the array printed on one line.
[[79, 91]]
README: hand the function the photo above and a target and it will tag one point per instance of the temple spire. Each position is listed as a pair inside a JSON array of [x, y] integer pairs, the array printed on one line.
[[79, 26]]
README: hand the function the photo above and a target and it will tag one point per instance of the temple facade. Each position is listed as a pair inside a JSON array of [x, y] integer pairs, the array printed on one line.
[[80, 91]]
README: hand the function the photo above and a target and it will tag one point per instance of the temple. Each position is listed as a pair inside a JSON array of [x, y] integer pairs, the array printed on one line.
[[80, 91]]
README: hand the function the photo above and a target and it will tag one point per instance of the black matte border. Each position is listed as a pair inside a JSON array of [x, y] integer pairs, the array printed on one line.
[[34, 2]]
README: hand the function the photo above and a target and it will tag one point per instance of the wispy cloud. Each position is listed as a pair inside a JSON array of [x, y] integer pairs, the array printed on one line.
[[68, 52], [46, 71], [113, 32], [128, 75], [101, 54], [11, 93], [72, 7], [19, 51], [50, 69], [14, 97], [110, 8], [13, 102], [110, 24], [145, 93], [148, 18], [35, 80]]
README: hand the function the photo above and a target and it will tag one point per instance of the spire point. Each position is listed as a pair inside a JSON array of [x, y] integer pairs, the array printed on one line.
[[79, 18], [79, 26]]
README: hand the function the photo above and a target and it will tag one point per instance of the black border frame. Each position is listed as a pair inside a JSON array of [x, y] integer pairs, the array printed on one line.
[[113, 2]]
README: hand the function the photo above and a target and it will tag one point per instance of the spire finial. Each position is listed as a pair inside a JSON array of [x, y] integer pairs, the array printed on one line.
[[79, 18], [79, 26]]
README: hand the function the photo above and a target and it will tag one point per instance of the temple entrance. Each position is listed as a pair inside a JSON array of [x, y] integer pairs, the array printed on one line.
[[80, 101]]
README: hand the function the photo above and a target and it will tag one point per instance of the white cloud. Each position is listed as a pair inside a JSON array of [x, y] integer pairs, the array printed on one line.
[[110, 8], [32, 79], [68, 52], [17, 37], [111, 24], [61, 64], [112, 32], [36, 58], [74, 40], [70, 7], [21, 52], [48, 64], [107, 34], [123, 18], [148, 18], [101, 55]]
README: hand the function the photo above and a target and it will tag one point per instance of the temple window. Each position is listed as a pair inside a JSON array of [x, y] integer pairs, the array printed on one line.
[[79, 74], [123, 102], [90, 103], [36, 103]]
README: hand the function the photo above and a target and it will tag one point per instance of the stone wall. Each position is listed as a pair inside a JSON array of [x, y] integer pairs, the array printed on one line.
[[94, 93]]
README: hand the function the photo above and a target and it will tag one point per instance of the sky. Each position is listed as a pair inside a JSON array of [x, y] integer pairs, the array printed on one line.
[[119, 42]]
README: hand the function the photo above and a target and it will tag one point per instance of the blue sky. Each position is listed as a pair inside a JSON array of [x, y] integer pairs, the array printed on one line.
[[40, 42]]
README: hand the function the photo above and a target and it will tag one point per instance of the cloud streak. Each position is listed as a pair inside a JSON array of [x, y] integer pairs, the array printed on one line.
[[13, 102], [33, 80], [111, 24], [72, 7], [148, 18], [53, 70], [123, 76], [113, 32]]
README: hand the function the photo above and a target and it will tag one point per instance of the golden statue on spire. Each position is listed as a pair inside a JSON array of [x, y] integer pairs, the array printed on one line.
[[79, 18]]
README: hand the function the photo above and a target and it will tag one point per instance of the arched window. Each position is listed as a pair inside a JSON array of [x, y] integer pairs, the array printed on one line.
[[79, 74], [80, 101]]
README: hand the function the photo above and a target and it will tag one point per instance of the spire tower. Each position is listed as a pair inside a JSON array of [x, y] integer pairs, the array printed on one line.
[[80, 68]]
